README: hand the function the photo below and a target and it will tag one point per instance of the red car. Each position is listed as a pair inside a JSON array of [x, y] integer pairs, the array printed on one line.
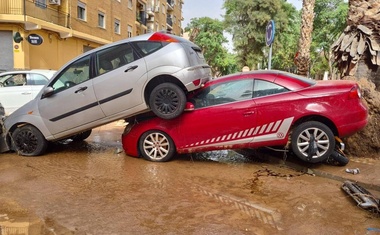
[[252, 110]]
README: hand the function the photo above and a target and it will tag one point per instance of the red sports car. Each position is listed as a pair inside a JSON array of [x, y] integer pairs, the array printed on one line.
[[251, 110]]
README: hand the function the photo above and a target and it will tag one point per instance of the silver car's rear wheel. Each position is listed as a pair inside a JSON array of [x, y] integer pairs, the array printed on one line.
[[28, 141], [156, 146], [167, 100], [312, 141]]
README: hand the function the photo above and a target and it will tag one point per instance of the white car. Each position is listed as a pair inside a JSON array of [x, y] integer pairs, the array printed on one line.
[[19, 87], [150, 72]]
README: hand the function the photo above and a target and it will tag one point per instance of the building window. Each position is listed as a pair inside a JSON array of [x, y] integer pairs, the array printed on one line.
[[117, 26], [101, 20], [130, 4], [81, 10], [129, 31], [41, 3]]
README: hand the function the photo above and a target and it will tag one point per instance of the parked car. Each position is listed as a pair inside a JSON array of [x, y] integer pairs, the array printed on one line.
[[19, 87], [148, 72], [252, 110]]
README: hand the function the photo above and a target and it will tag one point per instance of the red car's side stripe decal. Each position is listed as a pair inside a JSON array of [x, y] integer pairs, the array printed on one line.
[[272, 131]]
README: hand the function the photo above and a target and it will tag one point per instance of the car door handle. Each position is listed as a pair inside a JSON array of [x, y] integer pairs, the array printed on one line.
[[26, 93], [248, 113], [131, 68], [83, 88]]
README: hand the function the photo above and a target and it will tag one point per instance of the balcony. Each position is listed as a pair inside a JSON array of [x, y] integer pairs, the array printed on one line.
[[170, 5], [169, 22], [51, 14], [141, 17]]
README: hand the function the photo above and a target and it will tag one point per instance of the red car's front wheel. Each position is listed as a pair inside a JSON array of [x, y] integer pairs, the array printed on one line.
[[156, 146]]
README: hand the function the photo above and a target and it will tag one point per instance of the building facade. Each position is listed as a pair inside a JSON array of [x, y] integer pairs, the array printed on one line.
[[45, 34]]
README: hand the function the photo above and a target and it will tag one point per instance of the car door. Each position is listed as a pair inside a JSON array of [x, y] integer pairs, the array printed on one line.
[[275, 107], [224, 115], [73, 103], [36, 82], [121, 76], [14, 91]]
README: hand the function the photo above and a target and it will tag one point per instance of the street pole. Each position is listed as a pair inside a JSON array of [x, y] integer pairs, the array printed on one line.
[[270, 58]]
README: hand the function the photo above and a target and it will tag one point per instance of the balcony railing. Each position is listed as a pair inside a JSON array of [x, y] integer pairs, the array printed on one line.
[[36, 10], [169, 21], [141, 17], [170, 5]]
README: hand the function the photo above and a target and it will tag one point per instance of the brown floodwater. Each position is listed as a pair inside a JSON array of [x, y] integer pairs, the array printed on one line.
[[94, 188]]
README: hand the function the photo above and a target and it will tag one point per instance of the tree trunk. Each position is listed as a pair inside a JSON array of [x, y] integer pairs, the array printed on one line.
[[303, 58], [357, 51]]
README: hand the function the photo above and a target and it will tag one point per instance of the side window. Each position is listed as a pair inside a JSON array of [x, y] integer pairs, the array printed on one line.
[[73, 74], [15, 80], [224, 93], [114, 57], [148, 47], [265, 88], [37, 79]]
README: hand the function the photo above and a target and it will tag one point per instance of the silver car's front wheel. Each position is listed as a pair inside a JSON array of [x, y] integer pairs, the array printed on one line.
[[28, 141], [312, 141], [156, 146]]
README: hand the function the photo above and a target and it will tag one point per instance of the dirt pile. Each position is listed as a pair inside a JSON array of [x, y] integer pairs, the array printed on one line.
[[366, 143]]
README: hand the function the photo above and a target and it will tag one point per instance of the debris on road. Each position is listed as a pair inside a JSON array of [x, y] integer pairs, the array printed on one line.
[[363, 197], [353, 171]]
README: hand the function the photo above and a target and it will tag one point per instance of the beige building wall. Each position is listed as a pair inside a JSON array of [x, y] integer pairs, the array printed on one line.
[[66, 36]]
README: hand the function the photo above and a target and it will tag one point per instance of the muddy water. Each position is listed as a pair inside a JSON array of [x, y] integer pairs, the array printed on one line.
[[94, 188]]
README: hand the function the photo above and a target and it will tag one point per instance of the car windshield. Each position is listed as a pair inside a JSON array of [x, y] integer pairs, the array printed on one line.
[[222, 93]]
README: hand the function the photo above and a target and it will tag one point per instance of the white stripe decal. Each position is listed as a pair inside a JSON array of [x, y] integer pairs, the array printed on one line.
[[272, 131], [276, 126], [269, 127], [262, 129], [245, 133]]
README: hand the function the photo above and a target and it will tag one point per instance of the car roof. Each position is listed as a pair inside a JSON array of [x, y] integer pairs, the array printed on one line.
[[47, 72], [288, 80]]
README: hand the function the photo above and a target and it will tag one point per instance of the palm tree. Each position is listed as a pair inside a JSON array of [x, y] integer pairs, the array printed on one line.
[[303, 56], [357, 51]]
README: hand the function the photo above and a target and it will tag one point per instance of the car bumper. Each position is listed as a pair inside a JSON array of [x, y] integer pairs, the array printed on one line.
[[194, 77]]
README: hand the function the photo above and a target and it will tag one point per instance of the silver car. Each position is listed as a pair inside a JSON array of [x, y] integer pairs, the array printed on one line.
[[116, 81]]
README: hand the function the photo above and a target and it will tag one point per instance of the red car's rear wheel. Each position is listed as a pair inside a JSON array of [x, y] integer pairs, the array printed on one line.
[[312, 141]]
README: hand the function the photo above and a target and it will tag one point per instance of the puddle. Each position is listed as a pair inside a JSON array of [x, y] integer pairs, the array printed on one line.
[[226, 156]]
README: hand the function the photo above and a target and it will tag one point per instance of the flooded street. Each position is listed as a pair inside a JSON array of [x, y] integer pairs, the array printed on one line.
[[94, 188]]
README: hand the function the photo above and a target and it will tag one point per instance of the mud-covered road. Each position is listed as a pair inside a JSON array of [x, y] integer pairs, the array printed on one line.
[[94, 188]]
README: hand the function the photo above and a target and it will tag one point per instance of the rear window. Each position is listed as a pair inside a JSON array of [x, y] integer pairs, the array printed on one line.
[[148, 47]]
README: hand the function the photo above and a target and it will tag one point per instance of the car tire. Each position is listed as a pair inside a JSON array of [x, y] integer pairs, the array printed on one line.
[[308, 150], [167, 100], [337, 158], [81, 136], [156, 146], [29, 141]]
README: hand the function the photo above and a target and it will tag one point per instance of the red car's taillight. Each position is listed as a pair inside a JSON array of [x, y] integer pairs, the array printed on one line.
[[355, 93], [162, 38], [197, 82]]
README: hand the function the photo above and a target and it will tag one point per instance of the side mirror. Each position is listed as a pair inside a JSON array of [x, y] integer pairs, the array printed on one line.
[[189, 106], [48, 91]]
